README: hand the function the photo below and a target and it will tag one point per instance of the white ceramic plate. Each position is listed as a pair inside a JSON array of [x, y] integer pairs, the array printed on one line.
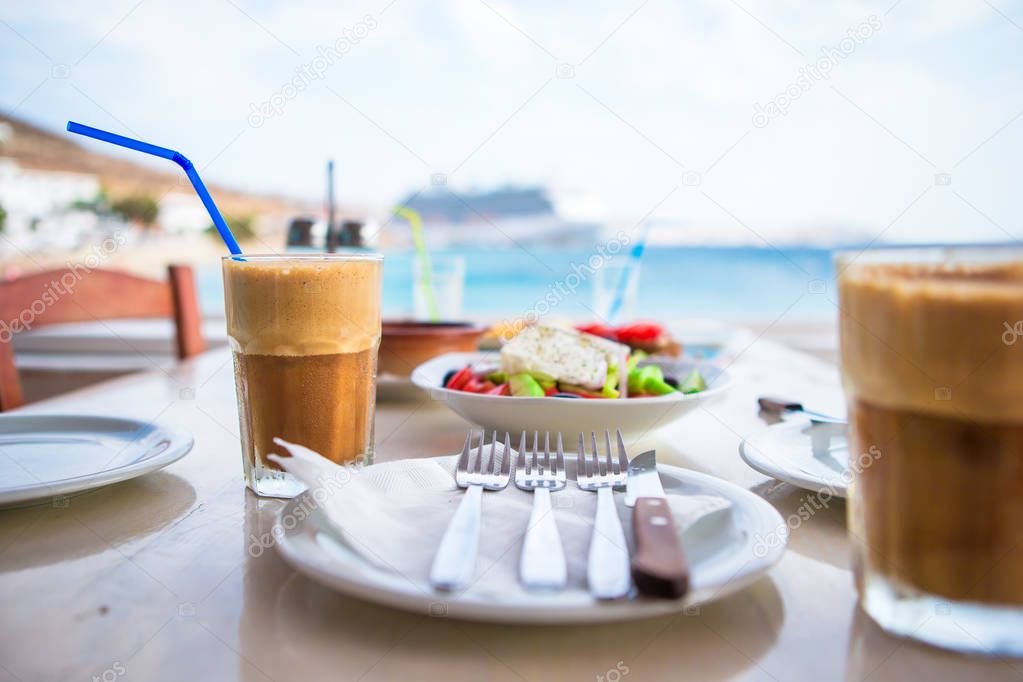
[[45, 456], [808, 455], [735, 550], [634, 416]]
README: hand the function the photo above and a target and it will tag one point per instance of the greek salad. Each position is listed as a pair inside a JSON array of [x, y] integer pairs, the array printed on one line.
[[566, 363]]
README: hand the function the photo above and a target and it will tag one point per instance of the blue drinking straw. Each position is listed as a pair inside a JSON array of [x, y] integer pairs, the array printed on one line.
[[623, 281], [176, 157]]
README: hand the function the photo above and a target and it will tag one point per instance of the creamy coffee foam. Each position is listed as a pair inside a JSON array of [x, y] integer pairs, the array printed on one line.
[[302, 306], [929, 338]]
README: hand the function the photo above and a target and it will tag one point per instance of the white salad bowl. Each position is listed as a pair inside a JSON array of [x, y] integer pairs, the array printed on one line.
[[569, 416]]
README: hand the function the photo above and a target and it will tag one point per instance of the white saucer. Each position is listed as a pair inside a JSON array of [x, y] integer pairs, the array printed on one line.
[[46, 456], [727, 554], [809, 455]]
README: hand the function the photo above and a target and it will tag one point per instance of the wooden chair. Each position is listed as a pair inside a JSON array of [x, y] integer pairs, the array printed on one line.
[[81, 294]]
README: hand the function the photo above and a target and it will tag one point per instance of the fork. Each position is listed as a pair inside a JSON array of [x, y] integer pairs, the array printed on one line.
[[607, 570], [542, 564], [455, 560]]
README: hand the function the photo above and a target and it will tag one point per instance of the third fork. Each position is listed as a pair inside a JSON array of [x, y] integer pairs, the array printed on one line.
[[608, 564]]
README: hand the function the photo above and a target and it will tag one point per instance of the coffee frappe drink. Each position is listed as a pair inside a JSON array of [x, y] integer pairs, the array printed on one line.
[[304, 332], [935, 389]]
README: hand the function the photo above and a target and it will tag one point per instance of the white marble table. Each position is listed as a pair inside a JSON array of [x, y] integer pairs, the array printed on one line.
[[151, 579]]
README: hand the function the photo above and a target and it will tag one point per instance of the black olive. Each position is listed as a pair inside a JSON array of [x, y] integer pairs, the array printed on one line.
[[565, 395], [671, 381], [447, 377]]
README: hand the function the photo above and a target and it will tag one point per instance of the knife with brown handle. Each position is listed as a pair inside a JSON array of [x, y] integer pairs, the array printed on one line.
[[659, 566]]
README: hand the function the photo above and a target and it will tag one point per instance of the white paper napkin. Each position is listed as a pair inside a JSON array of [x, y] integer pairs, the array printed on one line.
[[394, 514]]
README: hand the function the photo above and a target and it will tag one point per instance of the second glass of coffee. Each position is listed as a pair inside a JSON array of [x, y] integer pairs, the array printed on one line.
[[934, 379], [304, 333]]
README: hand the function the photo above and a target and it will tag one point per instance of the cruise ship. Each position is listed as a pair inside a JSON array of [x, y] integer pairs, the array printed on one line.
[[507, 216]]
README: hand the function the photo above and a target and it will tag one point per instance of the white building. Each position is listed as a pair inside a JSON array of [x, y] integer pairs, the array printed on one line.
[[183, 214], [38, 192], [38, 204]]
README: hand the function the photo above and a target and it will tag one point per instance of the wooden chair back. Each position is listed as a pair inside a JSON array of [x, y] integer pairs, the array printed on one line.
[[81, 294]]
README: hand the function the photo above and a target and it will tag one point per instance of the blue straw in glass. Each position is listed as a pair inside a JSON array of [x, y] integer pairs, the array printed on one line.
[[631, 264], [176, 157]]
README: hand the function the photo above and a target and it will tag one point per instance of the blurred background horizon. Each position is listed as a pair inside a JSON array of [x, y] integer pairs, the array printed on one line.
[[751, 138]]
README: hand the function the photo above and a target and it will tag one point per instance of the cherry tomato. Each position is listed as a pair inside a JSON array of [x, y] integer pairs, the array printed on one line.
[[500, 389], [460, 378], [473, 385], [640, 331]]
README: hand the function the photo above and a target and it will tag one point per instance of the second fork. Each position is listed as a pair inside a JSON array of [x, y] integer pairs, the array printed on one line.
[[542, 565]]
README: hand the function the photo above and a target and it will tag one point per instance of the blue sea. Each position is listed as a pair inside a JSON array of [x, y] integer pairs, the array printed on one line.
[[728, 283]]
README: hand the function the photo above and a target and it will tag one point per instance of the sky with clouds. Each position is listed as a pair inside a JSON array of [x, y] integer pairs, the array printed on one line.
[[743, 115]]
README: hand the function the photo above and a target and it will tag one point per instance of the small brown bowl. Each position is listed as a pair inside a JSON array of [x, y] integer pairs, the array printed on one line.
[[406, 344]]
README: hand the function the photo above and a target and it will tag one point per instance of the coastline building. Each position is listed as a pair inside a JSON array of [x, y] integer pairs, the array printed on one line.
[[39, 206]]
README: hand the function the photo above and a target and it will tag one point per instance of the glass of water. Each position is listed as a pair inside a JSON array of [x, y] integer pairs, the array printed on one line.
[[615, 289], [437, 293]]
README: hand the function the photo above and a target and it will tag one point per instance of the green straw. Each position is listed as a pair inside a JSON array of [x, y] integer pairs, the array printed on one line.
[[425, 279]]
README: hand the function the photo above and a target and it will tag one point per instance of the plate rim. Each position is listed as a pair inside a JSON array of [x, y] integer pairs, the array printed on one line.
[[555, 614], [801, 480], [181, 443]]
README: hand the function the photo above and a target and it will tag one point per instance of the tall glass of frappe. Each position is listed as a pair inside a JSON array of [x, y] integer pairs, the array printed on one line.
[[932, 365], [304, 332]]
